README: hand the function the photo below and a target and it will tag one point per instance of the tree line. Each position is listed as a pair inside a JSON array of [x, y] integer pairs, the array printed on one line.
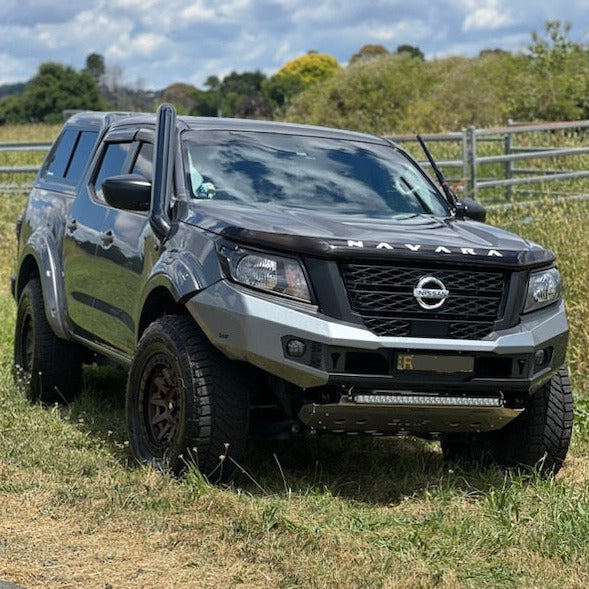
[[378, 91], [402, 94]]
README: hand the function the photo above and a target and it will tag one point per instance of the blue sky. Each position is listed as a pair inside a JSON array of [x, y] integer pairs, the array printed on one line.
[[153, 43]]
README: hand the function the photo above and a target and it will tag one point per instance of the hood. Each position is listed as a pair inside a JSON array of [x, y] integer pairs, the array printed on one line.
[[323, 234]]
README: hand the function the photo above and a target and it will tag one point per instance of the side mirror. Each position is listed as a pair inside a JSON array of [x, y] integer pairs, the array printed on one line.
[[466, 207], [130, 192]]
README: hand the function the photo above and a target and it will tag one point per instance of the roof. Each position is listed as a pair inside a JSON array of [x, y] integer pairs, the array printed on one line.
[[97, 119], [105, 119], [222, 124]]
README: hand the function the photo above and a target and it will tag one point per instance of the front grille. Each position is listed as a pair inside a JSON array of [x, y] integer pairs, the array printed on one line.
[[383, 296]]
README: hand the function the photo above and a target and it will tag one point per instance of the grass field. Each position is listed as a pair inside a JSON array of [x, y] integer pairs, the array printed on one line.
[[75, 512]]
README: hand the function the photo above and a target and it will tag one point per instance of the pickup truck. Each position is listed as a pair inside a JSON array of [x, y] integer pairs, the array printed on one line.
[[269, 279]]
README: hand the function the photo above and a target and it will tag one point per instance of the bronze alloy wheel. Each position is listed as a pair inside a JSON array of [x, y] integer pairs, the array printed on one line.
[[163, 403]]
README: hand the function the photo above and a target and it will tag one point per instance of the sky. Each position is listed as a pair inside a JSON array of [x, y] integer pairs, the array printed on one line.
[[150, 44]]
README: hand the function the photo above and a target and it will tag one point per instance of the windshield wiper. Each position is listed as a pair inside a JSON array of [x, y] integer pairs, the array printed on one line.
[[450, 197]]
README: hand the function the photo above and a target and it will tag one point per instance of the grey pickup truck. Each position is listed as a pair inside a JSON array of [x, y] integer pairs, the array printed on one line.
[[267, 279]]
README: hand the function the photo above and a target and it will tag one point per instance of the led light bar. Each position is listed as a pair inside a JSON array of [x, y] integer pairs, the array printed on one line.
[[425, 400]]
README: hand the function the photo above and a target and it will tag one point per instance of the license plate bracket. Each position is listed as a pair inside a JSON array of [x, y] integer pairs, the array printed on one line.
[[437, 363]]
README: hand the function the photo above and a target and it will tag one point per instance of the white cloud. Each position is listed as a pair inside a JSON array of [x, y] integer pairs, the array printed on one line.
[[163, 41], [486, 18], [80, 32], [396, 33], [140, 46], [485, 15], [197, 12], [10, 68]]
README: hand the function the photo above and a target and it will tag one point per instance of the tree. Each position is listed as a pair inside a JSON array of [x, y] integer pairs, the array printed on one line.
[[212, 83], [311, 68], [299, 74], [182, 96], [401, 94], [56, 88], [369, 52], [555, 44], [463, 91], [253, 107], [238, 94], [485, 52], [95, 66], [280, 88], [410, 50], [555, 85], [237, 88], [205, 104], [11, 111], [371, 95]]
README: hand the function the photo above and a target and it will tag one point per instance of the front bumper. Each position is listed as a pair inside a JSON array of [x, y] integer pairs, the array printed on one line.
[[256, 328]]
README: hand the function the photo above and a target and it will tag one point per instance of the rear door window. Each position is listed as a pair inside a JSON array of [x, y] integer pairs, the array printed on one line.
[[68, 158], [59, 157], [80, 157]]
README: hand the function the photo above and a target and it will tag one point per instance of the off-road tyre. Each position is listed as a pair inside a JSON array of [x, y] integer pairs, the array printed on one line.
[[537, 439], [47, 368], [185, 402]]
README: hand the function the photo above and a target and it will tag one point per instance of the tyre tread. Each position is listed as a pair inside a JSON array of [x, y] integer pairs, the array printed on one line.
[[538, 438], [57, 364], [217, 403]]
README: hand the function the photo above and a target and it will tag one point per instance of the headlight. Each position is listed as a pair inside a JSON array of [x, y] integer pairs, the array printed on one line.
[[544, 288], [283, 276]]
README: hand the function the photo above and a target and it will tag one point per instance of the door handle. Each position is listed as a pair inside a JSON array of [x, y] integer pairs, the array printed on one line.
[[107, 237], [72, 225]]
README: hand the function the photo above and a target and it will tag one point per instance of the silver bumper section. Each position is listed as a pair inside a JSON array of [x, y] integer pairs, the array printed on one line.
[[251, 327]]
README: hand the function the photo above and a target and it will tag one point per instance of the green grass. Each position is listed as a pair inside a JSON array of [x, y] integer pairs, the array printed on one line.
[[23, 134], [332, 512]]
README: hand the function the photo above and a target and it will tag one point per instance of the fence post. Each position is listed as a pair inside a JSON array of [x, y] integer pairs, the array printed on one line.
[[472, 160], [464, 147], [508, 148]]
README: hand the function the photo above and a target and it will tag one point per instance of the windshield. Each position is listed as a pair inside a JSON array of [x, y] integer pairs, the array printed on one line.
[[318, 173]]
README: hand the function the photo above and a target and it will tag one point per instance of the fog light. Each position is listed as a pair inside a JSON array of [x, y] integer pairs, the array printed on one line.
[[540, 357], [296, 348]]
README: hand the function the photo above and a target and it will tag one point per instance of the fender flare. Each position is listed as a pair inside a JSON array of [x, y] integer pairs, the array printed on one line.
[[179, 272], [42, 248]]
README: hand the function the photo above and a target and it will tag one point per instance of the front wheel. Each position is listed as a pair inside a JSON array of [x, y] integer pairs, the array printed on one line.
[[538, 438], [184, 401]]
